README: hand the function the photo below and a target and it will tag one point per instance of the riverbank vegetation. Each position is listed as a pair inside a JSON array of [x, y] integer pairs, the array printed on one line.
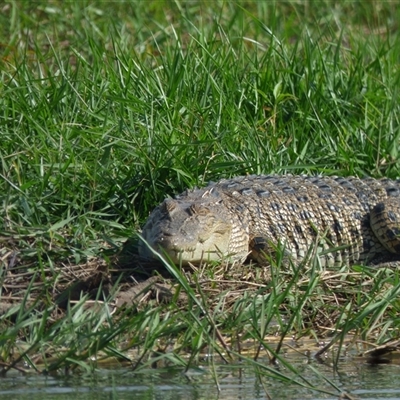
[[107, 108]]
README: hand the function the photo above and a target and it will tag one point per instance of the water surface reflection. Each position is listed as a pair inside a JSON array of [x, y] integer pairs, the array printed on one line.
[[234, 382]]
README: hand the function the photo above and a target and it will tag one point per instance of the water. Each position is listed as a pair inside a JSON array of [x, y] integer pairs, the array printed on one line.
[[234, 381]]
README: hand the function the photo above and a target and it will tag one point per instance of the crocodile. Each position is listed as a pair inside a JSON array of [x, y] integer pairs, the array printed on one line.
[[344, 220]]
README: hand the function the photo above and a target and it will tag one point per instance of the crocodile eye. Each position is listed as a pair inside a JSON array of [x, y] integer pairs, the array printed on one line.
[[210, 221], [168, 205], [198, 209]]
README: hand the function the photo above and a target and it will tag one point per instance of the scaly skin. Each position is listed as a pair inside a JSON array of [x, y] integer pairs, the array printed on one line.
[[252, 215]]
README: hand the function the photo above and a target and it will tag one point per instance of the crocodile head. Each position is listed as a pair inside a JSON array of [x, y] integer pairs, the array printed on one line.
[[189, 230]]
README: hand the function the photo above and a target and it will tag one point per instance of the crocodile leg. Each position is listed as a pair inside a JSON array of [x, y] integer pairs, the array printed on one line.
[[385, 223]]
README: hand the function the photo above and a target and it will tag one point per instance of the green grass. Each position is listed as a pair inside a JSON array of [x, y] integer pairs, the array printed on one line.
[[107, 108]]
